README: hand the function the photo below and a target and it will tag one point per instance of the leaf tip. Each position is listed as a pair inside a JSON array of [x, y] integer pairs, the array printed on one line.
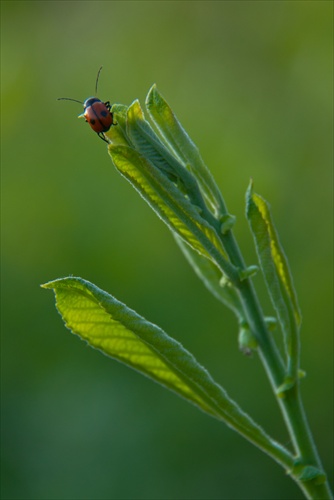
[[250, 189], [152, 98], [62, 282], [48, 285], [152, 90], [135, 112]]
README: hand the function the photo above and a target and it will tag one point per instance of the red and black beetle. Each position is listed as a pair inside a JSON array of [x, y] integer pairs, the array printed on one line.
[[96, 112]]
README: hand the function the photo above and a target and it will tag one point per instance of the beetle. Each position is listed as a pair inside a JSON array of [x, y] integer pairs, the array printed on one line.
[[96, 112]]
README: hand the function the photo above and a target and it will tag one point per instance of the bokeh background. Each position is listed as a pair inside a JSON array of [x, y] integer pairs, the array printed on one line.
[[252, 84]]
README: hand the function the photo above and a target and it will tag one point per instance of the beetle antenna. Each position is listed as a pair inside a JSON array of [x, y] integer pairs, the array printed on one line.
[[68, 99], [97, 79]]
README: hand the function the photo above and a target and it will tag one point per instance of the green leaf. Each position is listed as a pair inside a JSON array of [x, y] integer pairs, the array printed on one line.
[[119, 332], [213, 279], [148, 144], [177, 139], [113, 328], [117, 133], [171, 205], [277, 275]]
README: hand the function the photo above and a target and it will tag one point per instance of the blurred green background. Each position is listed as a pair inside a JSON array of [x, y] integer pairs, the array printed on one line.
[[252, 84]]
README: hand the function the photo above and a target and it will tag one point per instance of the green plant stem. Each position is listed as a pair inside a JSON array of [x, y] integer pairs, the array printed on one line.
[[291, 404]]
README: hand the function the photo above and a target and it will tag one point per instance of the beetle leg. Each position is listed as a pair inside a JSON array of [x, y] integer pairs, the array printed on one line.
[[103, 137]]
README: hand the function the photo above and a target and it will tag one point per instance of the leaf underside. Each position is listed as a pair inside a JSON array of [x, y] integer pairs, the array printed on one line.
[[277, 275], [119, 332]]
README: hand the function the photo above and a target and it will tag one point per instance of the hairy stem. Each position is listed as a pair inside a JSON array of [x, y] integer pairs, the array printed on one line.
[[291, 404]]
